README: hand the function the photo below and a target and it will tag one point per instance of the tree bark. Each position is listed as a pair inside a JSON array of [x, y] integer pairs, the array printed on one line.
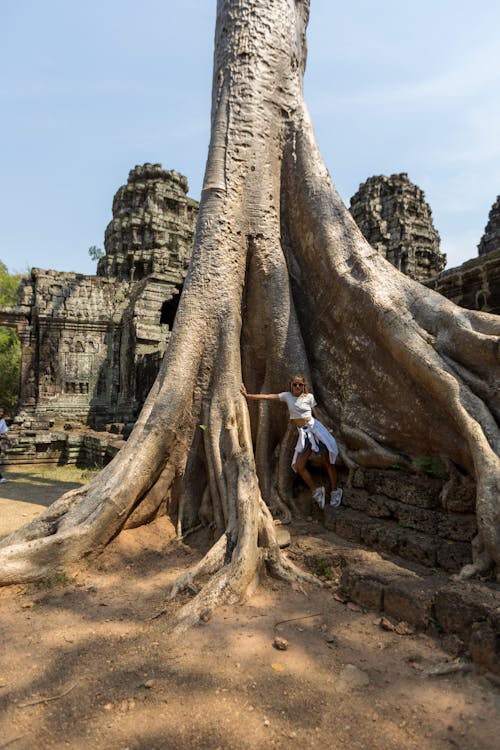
[[281, 280]]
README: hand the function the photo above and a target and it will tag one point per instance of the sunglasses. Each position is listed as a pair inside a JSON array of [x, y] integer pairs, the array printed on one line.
[[297, 385]]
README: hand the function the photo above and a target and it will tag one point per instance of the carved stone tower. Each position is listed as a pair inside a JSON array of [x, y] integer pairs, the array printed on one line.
[[396, 220], [491, 238], [152, 227]]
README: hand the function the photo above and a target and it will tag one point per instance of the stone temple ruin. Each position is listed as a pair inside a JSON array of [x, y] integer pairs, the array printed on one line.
[[396, 220], [476, 283], [92, 345]]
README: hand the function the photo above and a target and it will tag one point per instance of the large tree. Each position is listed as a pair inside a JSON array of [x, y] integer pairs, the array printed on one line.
[[281, 280]]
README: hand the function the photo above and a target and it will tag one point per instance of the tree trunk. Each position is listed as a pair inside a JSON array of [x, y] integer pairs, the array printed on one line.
[[281, 280]]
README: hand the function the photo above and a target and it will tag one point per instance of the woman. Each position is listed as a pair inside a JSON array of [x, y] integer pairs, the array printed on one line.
[[313, 436], [3, 436]]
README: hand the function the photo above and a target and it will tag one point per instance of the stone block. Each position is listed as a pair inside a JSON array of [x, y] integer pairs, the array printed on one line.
[[44, 438], [381, 535], [358, 479], [356, 499], [459, 605], [461, 498], [411, 600], [368, 593], [364, 580], [411, 489], [457, 527], [417, 547], [419, 519], [452, 556], [379, 506], [345, 523], [410, 545]]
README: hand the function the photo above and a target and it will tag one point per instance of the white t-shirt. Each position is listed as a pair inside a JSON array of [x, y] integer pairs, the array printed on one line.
[[3, 427], [299, 407]]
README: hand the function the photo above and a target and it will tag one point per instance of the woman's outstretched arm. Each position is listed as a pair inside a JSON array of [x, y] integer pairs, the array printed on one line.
[[269, 396]]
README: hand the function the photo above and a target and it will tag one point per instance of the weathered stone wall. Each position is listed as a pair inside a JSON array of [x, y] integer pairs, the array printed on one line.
[[84, 339], [85, 449], [67, 336], [490, 241], [408, 515], [396, 220], [474, 285]]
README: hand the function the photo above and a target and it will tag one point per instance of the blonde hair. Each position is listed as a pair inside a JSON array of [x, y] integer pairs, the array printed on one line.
[[296, 377]]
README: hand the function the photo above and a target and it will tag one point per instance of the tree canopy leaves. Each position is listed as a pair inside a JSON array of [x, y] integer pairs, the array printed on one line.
[[10, 347]]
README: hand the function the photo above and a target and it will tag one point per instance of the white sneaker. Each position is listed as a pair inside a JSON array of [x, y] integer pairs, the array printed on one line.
[[319, 496], [2, 480], [335, 498]]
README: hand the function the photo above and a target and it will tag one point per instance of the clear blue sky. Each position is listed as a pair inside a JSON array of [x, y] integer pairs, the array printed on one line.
[[88, 90]]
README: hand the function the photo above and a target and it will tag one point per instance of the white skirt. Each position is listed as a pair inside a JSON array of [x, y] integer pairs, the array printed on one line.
[[315, 432]]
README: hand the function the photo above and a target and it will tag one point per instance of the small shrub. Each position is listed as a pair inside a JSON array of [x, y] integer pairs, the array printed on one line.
[[325, 569], [58, 579]]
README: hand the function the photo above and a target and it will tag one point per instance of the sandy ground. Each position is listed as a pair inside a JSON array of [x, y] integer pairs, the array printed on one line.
[[85, 663], [30, 489]]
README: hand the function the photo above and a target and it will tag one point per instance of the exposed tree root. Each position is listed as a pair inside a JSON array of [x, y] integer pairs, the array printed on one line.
[[233, 572], [210, 563]]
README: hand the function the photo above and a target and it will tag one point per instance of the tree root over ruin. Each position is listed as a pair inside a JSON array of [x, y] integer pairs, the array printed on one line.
[[280, 281]]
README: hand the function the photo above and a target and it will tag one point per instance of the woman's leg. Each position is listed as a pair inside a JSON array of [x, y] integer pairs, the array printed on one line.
[[332, 471], [335, 494], [300, 468]]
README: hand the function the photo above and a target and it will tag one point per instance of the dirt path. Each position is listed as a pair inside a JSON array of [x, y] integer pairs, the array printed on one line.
[[30, 489], [84, 665]]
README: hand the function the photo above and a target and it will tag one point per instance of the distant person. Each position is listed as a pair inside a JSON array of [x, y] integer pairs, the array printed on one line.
[[3, 438], [314, 438]]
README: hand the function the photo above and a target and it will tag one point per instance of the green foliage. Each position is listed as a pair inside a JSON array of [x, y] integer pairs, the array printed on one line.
[[10, 362], [9, 284], [10, 347], [96, 253], [325, 569]]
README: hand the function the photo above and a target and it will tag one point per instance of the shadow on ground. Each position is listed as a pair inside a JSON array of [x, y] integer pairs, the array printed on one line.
[[89, 665], [30, 489]]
